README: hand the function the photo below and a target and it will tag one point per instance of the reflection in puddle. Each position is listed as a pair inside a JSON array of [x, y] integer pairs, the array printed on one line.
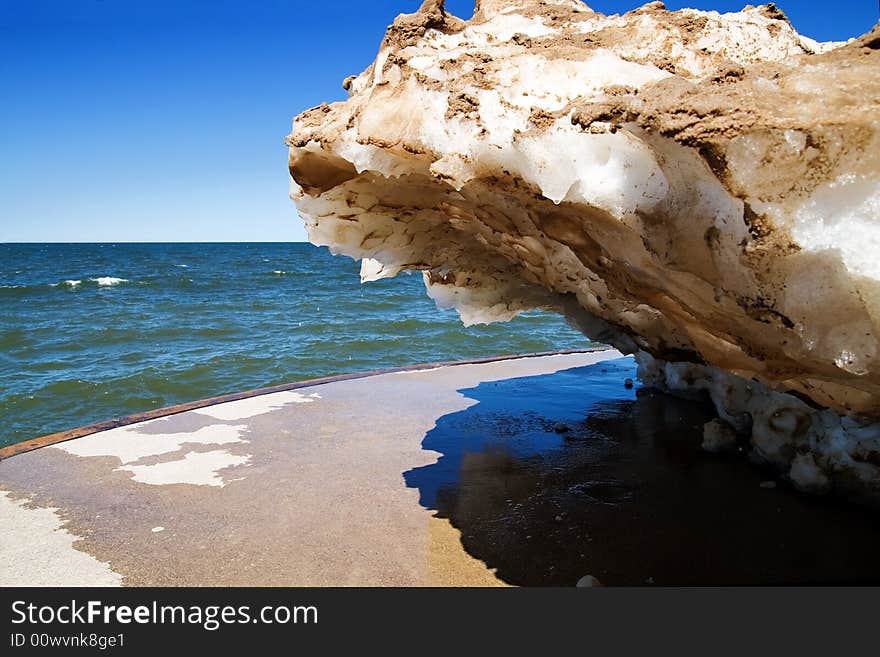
[[553, 477]]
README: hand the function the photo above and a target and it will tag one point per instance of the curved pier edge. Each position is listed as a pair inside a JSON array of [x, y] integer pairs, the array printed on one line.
[[79, 432]]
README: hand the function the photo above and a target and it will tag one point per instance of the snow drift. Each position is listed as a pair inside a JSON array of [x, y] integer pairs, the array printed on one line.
[[699, 189]]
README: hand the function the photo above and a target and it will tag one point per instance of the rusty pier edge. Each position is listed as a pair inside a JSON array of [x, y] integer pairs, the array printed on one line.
[[79, 432]]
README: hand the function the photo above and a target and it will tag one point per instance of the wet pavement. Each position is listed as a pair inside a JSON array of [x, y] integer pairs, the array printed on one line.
[[533, 471], [552, 478]]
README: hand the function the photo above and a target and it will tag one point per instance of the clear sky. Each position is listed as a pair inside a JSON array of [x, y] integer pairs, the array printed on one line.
[[147, 120]]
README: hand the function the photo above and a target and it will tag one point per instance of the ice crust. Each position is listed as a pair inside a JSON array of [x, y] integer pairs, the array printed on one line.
[[699, 189]]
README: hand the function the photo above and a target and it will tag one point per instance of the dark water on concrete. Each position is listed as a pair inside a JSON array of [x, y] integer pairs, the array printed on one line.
[[624, 492]]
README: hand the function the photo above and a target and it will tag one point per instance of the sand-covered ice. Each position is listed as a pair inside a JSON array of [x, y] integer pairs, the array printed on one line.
[[700, 189]]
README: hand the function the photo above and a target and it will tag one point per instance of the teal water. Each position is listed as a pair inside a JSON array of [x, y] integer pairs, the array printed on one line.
[[94, 331]]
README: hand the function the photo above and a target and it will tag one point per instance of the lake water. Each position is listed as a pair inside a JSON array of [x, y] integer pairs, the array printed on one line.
[[94, 331]]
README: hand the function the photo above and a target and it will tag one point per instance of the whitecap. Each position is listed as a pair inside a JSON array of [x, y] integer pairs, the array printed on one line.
[[184, 266], [278, 272], [105, 281]]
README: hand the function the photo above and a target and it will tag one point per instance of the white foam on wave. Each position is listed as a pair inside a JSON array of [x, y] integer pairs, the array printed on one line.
[[278, 272], [105, 281]]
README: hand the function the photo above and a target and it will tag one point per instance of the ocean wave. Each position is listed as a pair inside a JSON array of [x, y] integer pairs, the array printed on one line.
[[278, 272], [35, 287], [22, 290], [106, 281]]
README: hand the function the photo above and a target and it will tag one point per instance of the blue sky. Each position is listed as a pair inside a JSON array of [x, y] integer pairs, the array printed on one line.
[[125, 120]]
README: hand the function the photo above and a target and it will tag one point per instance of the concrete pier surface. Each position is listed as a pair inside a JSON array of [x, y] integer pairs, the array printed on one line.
[[298, 487], [540, 470]]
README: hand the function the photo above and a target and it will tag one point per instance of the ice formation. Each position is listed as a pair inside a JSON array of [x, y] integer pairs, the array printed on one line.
[[699, 189]]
